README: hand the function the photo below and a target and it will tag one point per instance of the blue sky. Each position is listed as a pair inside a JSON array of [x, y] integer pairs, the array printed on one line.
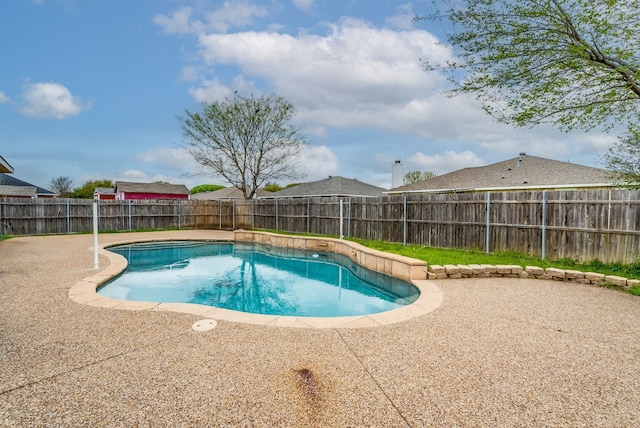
[[91, 89]]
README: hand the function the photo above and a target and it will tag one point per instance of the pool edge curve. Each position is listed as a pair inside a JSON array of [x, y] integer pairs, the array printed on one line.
[[85, 291]]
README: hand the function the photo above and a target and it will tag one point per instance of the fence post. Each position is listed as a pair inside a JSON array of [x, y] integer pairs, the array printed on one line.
[[543, 250], [233, 214], [308, 214], [277, 214], [404, 220], [349, 219], [252, 214], [179, 213], [488, 236], [341, 220], [95, 234], [68, 217], [129, 215]]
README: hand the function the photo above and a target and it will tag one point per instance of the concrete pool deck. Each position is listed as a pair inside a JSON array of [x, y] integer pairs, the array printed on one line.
[[496, 352]]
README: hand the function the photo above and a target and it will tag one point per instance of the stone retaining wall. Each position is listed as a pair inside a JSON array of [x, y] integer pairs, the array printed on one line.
[[514, 271]]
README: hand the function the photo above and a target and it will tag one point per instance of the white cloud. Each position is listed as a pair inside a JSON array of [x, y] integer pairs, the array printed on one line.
[[235, 14], [209, 91], [443, 162], [51, 100], [214, 90], [4, 99], [305, 5], [351, 75], [179, 22], [317, 162], [403, 19], [232, 14], [354, 75]]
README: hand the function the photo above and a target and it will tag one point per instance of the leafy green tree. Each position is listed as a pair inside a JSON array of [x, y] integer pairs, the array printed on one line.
[[623, 157], [61, 186], [205, 188], [272, 187], [87, 189], [246, 140], [415, 176], [571, 63]]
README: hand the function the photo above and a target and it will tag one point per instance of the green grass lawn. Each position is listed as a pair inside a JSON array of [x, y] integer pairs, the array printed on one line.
[[441, 256]]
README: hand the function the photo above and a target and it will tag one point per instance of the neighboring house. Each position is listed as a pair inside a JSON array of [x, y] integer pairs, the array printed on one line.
[[5, 167], [15, 188], [332, 186], [128, 191], [226, 193], [521, 173], [102, 193]]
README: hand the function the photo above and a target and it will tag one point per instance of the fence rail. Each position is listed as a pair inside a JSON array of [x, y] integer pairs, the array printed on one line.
[[582, 224]]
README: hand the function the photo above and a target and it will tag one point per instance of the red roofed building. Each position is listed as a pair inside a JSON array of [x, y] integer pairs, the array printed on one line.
[[130, 191]]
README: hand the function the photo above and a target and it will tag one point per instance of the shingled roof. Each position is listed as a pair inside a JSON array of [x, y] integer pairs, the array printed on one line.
[[8, 180], [523, 172], [332, 186], [17, 191], [226, 193], [158, 188]]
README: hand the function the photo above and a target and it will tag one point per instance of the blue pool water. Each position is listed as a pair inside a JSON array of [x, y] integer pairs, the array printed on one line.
[[255, 278]]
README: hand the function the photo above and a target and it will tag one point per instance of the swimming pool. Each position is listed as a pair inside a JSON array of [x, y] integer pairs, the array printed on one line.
[[255, 278]]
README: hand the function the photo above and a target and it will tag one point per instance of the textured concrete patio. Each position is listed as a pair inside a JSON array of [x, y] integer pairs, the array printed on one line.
[[496, 352]]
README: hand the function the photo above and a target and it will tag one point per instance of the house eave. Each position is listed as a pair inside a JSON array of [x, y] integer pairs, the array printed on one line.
[[319, 195], [503, 188], [5, 167]]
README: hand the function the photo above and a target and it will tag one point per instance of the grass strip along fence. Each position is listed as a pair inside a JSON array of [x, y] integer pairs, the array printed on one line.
[[579, 225]]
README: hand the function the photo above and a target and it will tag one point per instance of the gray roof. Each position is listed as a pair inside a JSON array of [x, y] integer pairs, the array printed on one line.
[[159, 188], [8, 180], [332, 186], [226, 193], [523, 172], [105, 191], [15, 191]]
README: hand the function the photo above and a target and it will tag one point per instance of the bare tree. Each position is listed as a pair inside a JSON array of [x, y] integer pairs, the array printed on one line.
[[415, 176], [61, 186], [246, 140]]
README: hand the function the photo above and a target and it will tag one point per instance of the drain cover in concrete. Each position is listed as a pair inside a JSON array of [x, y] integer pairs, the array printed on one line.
[[204, 325]]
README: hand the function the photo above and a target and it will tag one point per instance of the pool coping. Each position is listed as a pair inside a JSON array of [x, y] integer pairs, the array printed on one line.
[[411, 270]]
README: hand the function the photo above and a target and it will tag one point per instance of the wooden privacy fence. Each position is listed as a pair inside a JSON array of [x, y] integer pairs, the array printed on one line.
[[582, 224], [20, 216]]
